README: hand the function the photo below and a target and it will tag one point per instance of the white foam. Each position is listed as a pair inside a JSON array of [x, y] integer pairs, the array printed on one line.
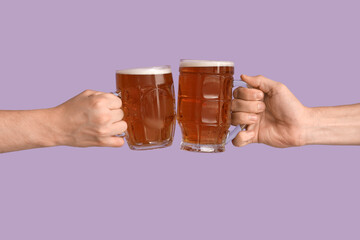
[[205, 63], [146, 71]]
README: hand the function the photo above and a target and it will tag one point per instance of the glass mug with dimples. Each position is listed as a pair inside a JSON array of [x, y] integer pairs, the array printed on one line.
[[148, 102], [204, 104]]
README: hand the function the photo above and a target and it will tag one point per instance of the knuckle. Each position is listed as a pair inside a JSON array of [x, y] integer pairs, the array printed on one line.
[[121, 113], [98, 102], [113, 142], [87, 91], [102, 142], [122, 127], [111, 95], [103, 118], [101, 132], [125, 126]]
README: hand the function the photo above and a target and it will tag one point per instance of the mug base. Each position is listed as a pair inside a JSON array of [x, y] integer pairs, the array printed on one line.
[[204, 148], [149, 146]]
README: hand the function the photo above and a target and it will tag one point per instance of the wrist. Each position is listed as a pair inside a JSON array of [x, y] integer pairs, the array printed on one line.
[[310, 126], [304, 127], [52, 134], [41, 131], [57, 129]]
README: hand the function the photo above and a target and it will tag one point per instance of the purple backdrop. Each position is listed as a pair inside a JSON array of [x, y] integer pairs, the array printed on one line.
[[52, 50]]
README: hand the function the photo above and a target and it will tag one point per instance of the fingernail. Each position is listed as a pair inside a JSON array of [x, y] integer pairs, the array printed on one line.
[[253, 117], [259, 95], [251, 134], [261, 106]]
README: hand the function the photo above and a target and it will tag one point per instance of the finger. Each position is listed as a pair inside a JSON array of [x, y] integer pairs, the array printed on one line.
[[240, 118], [106, 100], [116, 115], [239, 105], [250, 94], [114, 101], [243, 138], [264, 84], [118, 128], [112, 142]]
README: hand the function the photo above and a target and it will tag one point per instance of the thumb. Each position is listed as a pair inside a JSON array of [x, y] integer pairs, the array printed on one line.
[[264, 84]]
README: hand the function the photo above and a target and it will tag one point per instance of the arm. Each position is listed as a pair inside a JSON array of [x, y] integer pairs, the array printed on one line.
[[89, 119], [27, 129], [282, 121], [338, 125]]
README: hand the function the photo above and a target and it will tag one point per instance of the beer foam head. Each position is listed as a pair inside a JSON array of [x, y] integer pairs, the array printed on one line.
[[146, 71], [205, 63]]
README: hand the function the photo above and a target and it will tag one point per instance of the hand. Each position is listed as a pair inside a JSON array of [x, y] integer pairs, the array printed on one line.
[[274, 116], [90, 119]]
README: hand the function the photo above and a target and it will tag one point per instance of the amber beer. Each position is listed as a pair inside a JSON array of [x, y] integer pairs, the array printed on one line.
[[149, 106], [204, 103]]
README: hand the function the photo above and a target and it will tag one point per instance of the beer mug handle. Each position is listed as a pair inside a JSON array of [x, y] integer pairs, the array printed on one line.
[[238, 128], [118, 94]]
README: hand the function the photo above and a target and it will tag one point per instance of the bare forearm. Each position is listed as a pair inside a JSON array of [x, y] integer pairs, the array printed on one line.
[[26, 129], [338, 125]]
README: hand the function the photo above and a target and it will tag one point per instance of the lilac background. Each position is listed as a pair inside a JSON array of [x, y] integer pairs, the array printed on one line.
[[52, 50]]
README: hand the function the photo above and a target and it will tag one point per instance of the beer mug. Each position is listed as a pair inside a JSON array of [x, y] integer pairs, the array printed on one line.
[[204, 104], [148, 102]]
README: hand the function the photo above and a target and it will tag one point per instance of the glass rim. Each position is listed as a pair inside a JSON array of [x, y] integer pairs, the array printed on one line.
[[205, 63], [146, 70]]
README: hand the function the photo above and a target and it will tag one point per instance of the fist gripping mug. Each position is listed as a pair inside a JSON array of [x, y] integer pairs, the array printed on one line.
[[204, 104], [148, 102]]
